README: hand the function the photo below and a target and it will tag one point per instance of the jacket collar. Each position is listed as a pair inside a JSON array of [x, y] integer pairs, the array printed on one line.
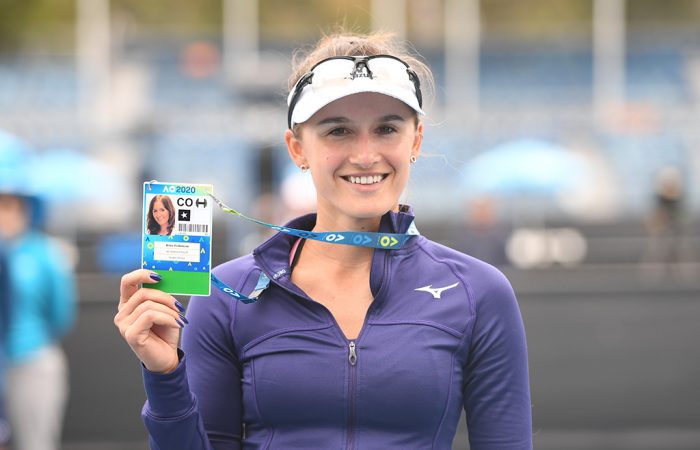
[[272, 256]]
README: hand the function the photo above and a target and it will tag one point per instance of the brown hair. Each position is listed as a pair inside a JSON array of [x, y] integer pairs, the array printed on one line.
[[352, 44], [152, 225]]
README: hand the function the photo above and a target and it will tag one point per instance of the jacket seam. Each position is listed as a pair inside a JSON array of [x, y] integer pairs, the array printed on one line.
[[274, 333], [447, 401], [270, 429], [233, 309], [189, 411], [429, 323], [469, 333]]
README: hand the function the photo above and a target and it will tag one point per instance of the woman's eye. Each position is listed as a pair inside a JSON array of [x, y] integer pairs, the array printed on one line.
[[339, 131], [386, 129]]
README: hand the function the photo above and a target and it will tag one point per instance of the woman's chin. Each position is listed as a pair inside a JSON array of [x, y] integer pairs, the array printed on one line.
[[371, 212]]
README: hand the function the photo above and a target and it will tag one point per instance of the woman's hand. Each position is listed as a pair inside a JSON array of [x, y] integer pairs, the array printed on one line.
[[149, 320]]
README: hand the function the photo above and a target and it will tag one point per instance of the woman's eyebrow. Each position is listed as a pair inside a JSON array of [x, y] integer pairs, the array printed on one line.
[[333, 120], [340, 119], [391, 117]]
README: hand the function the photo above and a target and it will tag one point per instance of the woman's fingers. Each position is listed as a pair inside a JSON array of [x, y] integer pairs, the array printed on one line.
[[124, 320], [146, 294], [132, 281], [153, 337], [138, 333]]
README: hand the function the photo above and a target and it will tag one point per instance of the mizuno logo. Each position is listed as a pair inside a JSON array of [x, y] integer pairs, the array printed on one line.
[[436, 292]]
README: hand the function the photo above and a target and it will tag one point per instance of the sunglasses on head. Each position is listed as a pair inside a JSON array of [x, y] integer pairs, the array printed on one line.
[[336, 69]]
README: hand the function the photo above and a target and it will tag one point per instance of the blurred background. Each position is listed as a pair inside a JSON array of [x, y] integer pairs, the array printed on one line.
[[562, 145]]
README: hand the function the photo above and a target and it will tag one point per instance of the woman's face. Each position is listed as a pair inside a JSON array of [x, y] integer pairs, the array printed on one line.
[[161, 214], [14, 219], [358, 149]]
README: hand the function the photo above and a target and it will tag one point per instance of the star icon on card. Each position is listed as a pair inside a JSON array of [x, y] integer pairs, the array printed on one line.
[[183, 215]]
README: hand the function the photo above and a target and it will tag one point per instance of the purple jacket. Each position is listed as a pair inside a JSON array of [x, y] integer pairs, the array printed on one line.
[[443, 333]]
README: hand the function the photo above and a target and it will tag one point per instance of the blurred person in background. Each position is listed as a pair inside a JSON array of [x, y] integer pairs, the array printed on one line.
[[348, 346], [161, 215], [41, 297], [484, 236], [4, 322], [665, 244]]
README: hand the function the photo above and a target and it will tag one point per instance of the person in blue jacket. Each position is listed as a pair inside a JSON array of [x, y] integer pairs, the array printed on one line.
[[41, 297], [349, 347], [4, 322]]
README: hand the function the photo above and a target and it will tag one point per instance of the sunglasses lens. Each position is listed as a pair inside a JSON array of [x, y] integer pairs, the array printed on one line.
[[333, 70], [385, 69]]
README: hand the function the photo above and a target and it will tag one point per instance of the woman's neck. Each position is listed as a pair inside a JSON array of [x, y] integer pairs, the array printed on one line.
[[330, 222], [339, 257], [335, 258]]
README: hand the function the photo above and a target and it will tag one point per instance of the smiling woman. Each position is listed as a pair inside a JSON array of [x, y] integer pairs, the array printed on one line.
[[348, 346]]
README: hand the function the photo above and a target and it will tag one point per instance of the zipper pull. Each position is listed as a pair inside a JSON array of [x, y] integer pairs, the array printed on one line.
[[353, 355]]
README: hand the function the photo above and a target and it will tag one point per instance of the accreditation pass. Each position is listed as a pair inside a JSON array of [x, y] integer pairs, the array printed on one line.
[[177, 227]]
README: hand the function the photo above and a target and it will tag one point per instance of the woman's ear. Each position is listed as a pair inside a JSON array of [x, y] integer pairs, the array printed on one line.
[[417, 140], [295, 148]]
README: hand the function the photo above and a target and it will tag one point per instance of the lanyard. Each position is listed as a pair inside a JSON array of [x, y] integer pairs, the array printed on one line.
[[263, 283], [387, 241]]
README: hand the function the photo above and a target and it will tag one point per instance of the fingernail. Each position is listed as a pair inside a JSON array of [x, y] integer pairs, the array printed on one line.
[[182, 325], [184, 319], [179, 306], [155, 277]]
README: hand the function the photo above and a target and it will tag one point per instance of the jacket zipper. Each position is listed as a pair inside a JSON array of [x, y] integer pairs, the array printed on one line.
[[352, 360], [352, 390], [352, 354]]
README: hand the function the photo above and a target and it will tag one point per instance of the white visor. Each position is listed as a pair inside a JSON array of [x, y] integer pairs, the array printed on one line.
[[338, 77]]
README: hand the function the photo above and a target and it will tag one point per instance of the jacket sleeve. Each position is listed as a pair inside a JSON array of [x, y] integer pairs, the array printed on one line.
[[496, 387], [198, 406]]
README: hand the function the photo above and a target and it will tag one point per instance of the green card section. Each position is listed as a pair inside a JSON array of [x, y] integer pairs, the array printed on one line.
[[183, 283]]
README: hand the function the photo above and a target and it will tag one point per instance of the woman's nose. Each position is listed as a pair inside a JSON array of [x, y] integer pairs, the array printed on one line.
[[365, 153]]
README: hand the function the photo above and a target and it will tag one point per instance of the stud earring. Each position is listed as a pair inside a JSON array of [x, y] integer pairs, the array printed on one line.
[[413, 159], [304, 168]]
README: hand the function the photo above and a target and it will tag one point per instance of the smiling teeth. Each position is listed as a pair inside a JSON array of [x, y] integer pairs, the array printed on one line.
[[366, 180]]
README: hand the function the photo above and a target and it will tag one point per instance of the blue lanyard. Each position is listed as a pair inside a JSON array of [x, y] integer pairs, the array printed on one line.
[[386, 241], [263, 283]]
